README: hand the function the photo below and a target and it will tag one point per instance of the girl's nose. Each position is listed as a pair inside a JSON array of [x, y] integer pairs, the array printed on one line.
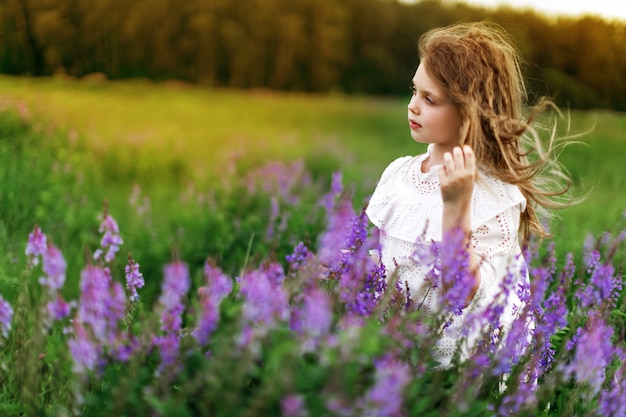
[[412, 106]]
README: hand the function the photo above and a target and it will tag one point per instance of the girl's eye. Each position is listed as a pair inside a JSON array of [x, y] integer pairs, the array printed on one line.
[[429, 100]]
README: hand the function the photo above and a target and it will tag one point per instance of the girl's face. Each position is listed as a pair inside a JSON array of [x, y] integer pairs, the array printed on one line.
[[433, 118]]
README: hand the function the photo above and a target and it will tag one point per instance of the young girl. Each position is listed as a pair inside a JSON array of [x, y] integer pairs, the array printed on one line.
[[468, 96]]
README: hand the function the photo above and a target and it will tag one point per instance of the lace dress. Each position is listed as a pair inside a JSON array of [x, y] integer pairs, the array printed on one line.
[[407, 208]]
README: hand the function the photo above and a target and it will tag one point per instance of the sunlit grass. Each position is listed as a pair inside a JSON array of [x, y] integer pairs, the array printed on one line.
[[153, 133]]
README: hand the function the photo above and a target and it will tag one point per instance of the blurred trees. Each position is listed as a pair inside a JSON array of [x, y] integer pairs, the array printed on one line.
[[356, 46]]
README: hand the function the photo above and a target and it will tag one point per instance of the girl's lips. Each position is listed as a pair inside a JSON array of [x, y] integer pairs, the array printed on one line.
[[414, 125]]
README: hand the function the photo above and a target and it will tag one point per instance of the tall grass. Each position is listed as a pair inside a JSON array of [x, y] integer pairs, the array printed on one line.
[[170, 135]]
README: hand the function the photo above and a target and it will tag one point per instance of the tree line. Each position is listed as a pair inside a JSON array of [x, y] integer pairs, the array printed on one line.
[[353, 46]]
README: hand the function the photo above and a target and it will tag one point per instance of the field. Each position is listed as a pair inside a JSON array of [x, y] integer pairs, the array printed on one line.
[[139, 130], [240, 178]]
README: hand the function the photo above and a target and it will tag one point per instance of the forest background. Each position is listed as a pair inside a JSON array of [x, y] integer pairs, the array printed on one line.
[[352, 46]]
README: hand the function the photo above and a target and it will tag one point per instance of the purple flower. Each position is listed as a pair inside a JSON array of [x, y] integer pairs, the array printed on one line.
[[175, 284], [524, 397], [264, 302], [111, 239], [220, 284], [603, 287], [6, 316], [594, 352], [134, 279], [94, 291], [336, 188], [613, 400], [58, 309], [551, 313], [174, 288], [54, 267], [279, 179], [457, 280], [386, 397], [209, 315], [168, 346], [84, 352], [333, 240], [297, 258], [292, 406], [101, 304], [360, 281], [36, 245], [275, 271], [314, 319], [124, 348]]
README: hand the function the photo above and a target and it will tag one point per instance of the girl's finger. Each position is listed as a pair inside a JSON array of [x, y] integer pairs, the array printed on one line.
[[470, 158], [459, 162], [448, 162]]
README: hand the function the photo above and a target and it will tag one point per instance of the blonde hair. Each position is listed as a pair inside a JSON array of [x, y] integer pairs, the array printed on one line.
[[478, 67]]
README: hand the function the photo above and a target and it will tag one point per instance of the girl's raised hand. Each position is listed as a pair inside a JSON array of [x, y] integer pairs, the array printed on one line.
[[457, 176]]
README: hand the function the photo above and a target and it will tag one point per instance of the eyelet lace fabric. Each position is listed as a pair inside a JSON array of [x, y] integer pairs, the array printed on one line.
[[407, 208]]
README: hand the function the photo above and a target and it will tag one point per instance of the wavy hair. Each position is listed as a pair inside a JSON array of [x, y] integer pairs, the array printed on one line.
[[478, 67]]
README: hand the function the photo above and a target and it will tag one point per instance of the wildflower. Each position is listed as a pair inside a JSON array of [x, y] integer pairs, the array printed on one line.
[[54, 267], [94, 294], [168, 346], [6, 316], [275, 271], [297, 258], [551, 313], [111, 240], [360, 281], [58, 309], [175, 284], [456, 278], [336, 188], [220, 284], [279, 179], [264, 302], [613, 401], [603, 287], [83, 351], [209, 316], [36, 245], [593, 353], [524, 397], [102, 304], [292, 406], [124, 348], [134, 279], [315, 318], [385, 397], [333, 240]]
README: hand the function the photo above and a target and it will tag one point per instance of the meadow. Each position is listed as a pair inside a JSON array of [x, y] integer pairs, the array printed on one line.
[[204, 184]]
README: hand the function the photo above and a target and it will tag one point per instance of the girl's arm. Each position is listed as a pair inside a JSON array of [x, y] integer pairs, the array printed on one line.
[[457, 183]]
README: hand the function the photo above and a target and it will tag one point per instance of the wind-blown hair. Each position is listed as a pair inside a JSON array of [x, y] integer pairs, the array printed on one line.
[[478, 67]]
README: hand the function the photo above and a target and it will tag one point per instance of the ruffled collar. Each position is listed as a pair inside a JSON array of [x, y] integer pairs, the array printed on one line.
[[407, 203]]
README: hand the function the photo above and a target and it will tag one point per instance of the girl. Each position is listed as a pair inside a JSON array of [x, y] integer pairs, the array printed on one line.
[[468, 96]]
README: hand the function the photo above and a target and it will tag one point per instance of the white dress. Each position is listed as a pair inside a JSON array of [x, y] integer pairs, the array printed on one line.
[[407, 208]]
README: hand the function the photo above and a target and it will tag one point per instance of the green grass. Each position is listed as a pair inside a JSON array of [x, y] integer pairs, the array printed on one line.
[[166, 135]]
